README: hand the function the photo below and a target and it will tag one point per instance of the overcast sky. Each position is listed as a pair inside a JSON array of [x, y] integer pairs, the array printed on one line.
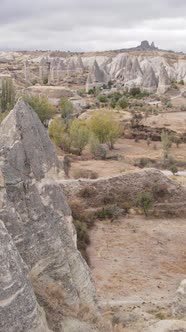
[[90, 25]]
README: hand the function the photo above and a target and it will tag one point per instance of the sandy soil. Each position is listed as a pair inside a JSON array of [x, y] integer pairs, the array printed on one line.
[[138, 259]]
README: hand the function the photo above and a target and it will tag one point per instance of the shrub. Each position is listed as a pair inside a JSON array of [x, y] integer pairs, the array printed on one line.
[[66, 108], [45, 81], [105, 212], [87, 192], [135, 91], [79, 135], [56, 131], [143, 162], [102, 99], [145, 201], [181, 82], [113, 103], [173, 169], [122, 103], [81, 92], [41, 106], [97, 150], [85, 174], [59, 135]]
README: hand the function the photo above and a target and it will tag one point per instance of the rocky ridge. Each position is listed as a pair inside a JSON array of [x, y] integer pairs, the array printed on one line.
[[144, 66]]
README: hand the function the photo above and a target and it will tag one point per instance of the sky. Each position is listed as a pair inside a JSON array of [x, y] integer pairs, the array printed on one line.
[[92, 25]]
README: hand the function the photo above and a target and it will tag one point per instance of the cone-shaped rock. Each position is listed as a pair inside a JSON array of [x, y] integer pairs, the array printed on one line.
[[150, 83], [164, 81], [37, 215]]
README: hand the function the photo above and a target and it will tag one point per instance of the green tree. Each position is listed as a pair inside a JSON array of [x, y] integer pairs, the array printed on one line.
[[166, 143], [56, 131], [41, 106], [105, 127], [7, 95], [66, 108], [79, 135], [59, 135]]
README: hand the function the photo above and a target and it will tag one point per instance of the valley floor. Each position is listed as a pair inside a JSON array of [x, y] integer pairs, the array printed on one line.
[[138, 259]]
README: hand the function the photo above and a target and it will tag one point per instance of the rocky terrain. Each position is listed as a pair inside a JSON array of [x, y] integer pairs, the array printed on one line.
[[36, 215], [144, 66], [45, 283]]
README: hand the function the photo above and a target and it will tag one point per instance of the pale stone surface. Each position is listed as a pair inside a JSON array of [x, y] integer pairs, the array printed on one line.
[[97, 77], [179, 305], [38, 217], [164, 81], [150, 83], [19, 310]]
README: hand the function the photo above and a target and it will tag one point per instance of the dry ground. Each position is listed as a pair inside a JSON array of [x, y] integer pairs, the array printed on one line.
[[174, 120], [129, 151], [138, 259]]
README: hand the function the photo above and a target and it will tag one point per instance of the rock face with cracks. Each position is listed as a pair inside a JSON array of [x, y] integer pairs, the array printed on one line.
[[19, 310], [37, 216]]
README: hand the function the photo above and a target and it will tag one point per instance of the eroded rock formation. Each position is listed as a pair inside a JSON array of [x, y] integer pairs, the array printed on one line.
[[97, 77], [36, 214], [164, 80], [19, 310]]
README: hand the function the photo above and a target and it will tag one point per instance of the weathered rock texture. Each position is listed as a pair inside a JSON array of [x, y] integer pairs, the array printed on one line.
[[145, 67], [38, 217], [179, 305], [97, 77], [164, 81], [19, 310]]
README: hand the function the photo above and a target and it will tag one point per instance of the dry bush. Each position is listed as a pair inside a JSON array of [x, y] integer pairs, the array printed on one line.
[[84, 174], [87, 192]]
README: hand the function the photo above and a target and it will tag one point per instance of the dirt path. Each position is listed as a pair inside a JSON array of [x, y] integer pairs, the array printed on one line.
[[137, 259]]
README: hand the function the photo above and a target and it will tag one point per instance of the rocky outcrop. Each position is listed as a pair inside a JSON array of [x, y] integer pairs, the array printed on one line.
[[97, 77], [37, 216], [164, 81], [179, 305], [150, 83], [19, 310]]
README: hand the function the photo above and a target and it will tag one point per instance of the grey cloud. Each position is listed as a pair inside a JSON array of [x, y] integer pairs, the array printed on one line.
[[91, 25]]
